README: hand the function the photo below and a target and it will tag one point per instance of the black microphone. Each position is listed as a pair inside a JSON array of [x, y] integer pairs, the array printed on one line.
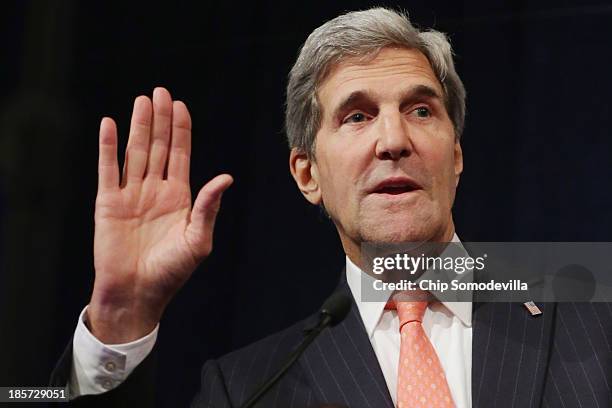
[[333, 311]]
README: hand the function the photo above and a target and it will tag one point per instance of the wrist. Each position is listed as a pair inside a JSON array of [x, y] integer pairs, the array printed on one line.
[[113, 321]]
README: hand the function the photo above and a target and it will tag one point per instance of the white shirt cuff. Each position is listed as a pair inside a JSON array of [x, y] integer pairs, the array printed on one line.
[[99, 367]]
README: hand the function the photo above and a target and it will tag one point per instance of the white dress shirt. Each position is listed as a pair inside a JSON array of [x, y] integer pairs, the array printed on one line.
[[448, 325], [98, 367]]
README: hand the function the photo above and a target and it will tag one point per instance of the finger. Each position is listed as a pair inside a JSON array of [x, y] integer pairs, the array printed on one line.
[[160, 134], [180, 145], [206, 206], [108, 167], [137, 149]]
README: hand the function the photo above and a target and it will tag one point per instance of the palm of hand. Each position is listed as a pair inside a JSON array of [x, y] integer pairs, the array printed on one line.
[[141, 235], [148, 238]]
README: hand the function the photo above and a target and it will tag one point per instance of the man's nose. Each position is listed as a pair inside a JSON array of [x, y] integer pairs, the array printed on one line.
[[393, 137]]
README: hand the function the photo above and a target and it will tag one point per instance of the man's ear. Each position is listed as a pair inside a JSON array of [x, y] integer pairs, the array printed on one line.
[[306, 175], [458, 162]]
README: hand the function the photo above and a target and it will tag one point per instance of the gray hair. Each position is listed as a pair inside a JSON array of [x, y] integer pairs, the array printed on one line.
[[362, 34]]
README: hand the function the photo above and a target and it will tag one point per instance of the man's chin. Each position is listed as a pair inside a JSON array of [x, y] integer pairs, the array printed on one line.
[[398, 231], [413, 224]]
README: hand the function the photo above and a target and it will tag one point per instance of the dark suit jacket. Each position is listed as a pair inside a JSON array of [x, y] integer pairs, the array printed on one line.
[[562, 358]]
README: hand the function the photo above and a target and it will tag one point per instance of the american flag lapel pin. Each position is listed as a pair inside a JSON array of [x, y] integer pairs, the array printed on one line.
[[533, 309]]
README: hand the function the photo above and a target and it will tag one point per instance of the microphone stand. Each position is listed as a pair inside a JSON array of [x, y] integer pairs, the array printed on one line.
[[333, 311]]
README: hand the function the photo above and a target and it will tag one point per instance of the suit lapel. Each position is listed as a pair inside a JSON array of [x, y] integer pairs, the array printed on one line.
[[510, 352], [342, 366]]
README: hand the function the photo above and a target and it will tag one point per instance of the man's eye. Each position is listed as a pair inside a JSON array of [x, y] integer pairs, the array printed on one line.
[[422, 112], [355, 118]]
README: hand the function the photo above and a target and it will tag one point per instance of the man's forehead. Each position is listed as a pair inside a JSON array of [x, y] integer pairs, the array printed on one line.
[[408, 66]]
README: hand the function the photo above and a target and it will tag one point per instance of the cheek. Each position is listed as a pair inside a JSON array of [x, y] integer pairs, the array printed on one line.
[[340, 185], [335, 185], [343, 166], [448, 176], [440, 163], [329, 182]]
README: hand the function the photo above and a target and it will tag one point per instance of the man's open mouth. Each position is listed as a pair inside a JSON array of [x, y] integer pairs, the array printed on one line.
[[395, 190], [396, 186]]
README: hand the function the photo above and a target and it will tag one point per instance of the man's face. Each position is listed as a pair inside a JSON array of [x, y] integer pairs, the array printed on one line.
[[386, 160]]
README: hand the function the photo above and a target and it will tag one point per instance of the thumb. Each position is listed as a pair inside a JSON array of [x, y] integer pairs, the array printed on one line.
[[206, 207]]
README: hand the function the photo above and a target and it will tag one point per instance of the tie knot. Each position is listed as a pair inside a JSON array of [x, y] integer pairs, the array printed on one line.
[[408, 310]]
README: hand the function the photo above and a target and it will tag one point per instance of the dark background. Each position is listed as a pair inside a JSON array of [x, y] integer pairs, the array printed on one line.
[[537, 150]]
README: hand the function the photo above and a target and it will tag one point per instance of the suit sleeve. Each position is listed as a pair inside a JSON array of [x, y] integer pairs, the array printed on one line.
[[138, 390]]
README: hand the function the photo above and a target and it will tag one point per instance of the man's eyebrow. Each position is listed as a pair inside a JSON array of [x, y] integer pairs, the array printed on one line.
[[353, 98], [406, 97], [417, 92]]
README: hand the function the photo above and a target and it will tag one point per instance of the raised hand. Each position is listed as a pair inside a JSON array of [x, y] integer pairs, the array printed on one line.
[[148, 238]]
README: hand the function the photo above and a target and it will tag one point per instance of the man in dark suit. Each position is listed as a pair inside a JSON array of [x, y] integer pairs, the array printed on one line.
[[375, 112]]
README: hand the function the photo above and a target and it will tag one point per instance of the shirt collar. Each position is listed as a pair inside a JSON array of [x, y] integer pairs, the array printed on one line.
[[371, 312]]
